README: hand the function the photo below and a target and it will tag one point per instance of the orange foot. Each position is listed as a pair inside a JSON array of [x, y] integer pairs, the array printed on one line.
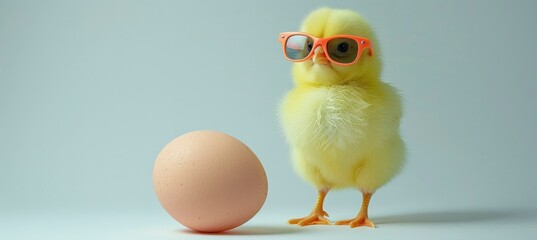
[[357, 222], [315, 218]]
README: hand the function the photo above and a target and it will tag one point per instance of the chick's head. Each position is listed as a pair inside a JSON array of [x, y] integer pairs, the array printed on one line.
[[326, 22]]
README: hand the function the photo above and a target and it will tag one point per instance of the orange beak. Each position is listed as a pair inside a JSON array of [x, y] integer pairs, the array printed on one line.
[[319, 57]]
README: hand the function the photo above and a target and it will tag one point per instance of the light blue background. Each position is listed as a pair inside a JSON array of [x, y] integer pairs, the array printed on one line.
[[90, 91]]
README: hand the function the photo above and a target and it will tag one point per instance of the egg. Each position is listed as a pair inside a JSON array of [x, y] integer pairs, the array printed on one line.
[[209, 181]]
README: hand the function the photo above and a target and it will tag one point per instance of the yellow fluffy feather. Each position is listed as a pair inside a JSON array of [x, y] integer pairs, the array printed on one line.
[[342, 122]]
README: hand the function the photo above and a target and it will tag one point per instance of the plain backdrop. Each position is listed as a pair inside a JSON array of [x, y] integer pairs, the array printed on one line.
[[90, 91]]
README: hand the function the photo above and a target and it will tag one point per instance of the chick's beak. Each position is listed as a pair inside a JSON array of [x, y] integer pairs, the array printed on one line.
[[319, 57]]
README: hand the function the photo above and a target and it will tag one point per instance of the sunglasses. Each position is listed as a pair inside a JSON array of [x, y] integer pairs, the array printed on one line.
[[340, 49]]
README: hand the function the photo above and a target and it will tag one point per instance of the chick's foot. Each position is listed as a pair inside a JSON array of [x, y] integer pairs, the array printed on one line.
[[315, 218], [357, 222]]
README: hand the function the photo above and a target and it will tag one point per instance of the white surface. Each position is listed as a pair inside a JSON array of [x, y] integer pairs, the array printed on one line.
[[90, 91], [409, 224]]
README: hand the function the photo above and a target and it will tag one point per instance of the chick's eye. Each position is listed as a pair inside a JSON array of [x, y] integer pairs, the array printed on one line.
[[342, 50], [310, 46], [343, 47]]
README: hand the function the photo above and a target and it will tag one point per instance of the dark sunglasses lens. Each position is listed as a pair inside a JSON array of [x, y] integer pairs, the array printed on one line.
[[342, 50], [298, 47]]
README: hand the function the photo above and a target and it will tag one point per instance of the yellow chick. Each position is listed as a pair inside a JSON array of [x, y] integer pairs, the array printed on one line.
[[341, 121]]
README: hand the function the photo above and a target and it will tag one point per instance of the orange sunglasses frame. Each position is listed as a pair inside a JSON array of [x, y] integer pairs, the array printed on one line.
[[363, 43]]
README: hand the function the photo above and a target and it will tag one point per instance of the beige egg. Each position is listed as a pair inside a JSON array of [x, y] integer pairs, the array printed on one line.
[[209, 181]]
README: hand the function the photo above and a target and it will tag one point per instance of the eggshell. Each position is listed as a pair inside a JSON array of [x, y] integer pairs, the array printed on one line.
[[209, 181]]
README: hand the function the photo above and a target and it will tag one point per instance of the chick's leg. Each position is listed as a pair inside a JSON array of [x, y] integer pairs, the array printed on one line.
[[361, 219], [317, 215]]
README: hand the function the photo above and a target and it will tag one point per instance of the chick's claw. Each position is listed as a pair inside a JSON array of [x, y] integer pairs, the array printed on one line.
[[357, 222], [312, 219]]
